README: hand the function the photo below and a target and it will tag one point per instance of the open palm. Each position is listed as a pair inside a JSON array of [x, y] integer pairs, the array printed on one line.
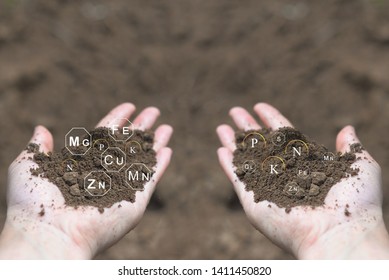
[[352, 211], [37, 206]]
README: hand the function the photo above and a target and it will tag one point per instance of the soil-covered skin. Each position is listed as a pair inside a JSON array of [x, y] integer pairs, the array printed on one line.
[[323, 64], [287, 168], [70, 173]]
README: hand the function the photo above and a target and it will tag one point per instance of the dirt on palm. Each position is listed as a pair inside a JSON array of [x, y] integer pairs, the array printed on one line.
[[70, 171], [289, 169]]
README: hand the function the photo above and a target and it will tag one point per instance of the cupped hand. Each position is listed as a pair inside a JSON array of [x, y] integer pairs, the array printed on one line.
[[66, 232], [322, 232]]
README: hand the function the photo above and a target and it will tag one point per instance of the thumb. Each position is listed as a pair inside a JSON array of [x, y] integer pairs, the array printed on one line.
[[44, 141], [43, 138]]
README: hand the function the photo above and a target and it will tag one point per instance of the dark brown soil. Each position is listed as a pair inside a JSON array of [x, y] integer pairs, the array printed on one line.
[[323, 64], [287, 168], [71, 173]]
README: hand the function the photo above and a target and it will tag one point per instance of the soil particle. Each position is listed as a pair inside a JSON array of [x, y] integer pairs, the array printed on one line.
[[346, 211], [318, 178], [70, 178], [42, 212], [75, 190], [314, 190]]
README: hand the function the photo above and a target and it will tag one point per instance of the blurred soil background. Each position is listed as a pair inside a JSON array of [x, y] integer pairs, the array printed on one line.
[[65, 63]]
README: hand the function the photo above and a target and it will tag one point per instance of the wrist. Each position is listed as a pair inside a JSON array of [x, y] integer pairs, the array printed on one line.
[[352, 240], [38, 241]]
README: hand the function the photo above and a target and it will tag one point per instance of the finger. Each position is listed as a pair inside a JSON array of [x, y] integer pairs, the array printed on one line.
[[162, 136], [118, 115], [163, 160], [369, 169], [347, 137], [43, 138], [243, 119], [271, 117], [227, 136], [147, 118]]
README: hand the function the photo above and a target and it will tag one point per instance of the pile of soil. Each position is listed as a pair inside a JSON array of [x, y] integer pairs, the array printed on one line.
[[268, 165], [71, 183]]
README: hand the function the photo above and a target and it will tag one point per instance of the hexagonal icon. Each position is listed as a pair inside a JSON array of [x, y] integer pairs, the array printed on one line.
[[78, 141], [113, 159], [121, 129], [137, 175], [97, 183]]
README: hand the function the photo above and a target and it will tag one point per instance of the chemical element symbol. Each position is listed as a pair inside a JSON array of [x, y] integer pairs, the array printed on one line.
[[78, 141], [121, 132], [137, 175], [113, 159], [97, 183]]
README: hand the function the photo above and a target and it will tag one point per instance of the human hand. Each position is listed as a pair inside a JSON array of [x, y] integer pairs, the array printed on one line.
[[65, 232], [323, 232]]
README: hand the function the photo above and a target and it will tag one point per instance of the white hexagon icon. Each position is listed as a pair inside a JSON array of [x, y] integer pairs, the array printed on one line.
[[121, 129], [97, 183], [113, 159], [137, 175], [78, 141]]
